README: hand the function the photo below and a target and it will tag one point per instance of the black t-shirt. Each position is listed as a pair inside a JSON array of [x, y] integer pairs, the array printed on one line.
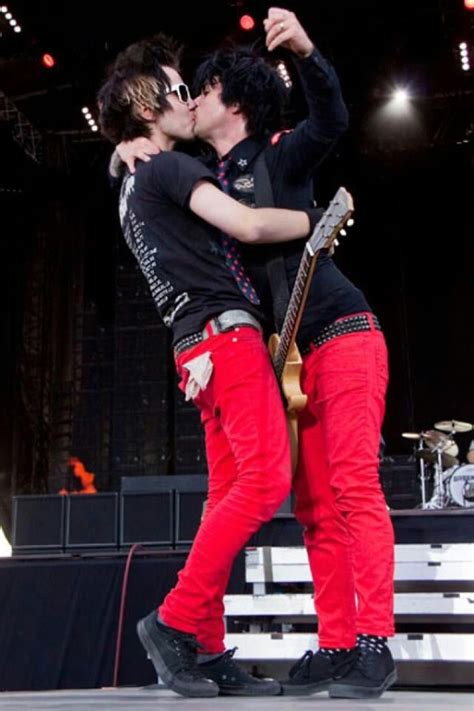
[[179, 254]]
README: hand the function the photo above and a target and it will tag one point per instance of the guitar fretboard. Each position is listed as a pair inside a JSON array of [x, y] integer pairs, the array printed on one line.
[[293, 313]]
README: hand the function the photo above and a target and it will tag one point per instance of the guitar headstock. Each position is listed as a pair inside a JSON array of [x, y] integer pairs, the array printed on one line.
[[339, 211]]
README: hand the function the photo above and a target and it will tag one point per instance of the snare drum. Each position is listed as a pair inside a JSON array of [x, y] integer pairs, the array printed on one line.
[[459, 485]]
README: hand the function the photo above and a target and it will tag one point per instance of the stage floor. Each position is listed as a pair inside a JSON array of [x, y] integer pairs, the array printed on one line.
[[133, 699]]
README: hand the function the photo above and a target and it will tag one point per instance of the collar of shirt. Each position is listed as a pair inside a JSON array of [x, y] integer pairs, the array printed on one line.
[[241, 155]]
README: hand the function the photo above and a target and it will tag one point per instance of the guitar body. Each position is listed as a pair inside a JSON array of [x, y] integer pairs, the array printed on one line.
[[290, 379], [295, 398], [284, 353]]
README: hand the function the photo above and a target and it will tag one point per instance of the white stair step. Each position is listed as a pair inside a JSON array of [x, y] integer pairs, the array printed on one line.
[[413, 648], [288, 604], [412, 562]]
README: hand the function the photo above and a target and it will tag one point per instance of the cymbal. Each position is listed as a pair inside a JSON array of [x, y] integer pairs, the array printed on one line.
[[453, 426], [447, 460], [411, 435], [435, 438]]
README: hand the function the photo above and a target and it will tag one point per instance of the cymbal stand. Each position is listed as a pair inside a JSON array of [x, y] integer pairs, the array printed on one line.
[[438, 477], [421, 446]]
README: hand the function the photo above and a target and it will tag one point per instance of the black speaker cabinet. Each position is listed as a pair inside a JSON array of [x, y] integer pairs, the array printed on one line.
[[38, 524], [188, 514], [147, 518], [92, 521]]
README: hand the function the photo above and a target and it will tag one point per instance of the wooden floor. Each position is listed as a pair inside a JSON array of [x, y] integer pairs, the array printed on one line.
[[135, 699]]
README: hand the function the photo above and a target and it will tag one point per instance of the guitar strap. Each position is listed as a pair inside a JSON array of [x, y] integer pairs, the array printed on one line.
[[275, 265]]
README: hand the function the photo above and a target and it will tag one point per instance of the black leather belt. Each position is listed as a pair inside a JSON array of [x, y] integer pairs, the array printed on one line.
[[344, 325], [226, 321]]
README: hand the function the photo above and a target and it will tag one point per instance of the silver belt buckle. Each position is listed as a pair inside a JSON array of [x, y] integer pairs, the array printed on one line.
[[234, 317]]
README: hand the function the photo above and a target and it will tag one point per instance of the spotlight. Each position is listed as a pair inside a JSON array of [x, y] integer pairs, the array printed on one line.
[[4, 9], [284, 75], [400, 97], [48, 61], [95, 128], [8, 16], [464, 56], [17, 28], [247, 23], [469, 4], [85, 110]]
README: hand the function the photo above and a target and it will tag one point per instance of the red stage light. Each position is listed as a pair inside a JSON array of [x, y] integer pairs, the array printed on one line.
[[48, 61], [247, 22], [469, 4]]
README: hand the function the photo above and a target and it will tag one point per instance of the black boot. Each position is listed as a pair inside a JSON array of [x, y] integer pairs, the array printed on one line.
[[371, 674], [174, 656], [232, 680], [315, 671]]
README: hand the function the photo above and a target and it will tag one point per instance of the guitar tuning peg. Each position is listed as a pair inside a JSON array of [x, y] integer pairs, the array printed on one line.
[[342, 232], [336, 243]]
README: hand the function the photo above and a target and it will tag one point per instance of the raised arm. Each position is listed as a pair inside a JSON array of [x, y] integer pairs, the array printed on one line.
[[327, 120]]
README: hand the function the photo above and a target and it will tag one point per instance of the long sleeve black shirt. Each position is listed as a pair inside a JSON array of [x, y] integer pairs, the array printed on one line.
[[291, 158]]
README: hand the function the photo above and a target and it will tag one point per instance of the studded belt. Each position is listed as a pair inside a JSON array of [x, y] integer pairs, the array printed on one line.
[[344, 325], [226, 321]]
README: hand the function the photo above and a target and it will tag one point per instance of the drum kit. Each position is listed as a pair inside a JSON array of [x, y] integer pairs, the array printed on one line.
[[453, 482]]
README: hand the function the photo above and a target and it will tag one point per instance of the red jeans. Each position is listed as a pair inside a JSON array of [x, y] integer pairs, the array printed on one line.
[[339, 501], [249, 475]]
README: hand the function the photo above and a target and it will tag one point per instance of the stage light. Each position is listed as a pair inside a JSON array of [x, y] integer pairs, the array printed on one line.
[[89, 118], [469, 4], [48, 61], [12, 22], [8, 16], [17, 28], [247, 22], [283, 72], [4, 9], [400, 97], [464, 56]]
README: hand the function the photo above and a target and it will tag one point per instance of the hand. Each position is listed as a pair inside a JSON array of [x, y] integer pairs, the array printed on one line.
[[137, 149], [283, 29]]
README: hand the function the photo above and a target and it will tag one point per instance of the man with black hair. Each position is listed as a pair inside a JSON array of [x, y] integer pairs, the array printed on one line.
[[178, 223], [339, 500]]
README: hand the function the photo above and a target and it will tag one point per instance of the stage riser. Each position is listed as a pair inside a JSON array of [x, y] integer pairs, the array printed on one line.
[[271, 625]]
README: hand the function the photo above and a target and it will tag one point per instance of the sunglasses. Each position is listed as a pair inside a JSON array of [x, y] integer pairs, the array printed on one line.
[[182, 92]]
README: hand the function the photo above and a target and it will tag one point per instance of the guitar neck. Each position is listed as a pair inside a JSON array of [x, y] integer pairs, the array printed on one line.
[[295, 310]]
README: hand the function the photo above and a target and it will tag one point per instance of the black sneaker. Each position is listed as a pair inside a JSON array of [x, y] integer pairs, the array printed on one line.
[[371, 674], [174, 656], [232, 680], [315, 671]]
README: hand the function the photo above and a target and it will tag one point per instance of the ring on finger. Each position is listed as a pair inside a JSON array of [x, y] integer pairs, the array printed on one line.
[[281, 26]]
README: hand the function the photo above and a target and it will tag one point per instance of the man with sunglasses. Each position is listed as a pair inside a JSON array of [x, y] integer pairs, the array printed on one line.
[[179, 225], [339, 501]]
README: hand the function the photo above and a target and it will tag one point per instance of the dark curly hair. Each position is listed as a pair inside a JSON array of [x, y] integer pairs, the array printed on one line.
[[136, 80], [249, 81]]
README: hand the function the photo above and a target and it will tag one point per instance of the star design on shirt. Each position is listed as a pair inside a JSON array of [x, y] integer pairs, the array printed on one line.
[[242, 162]]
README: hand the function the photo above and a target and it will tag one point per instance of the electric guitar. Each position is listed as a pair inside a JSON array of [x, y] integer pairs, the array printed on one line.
[[283, 349]]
